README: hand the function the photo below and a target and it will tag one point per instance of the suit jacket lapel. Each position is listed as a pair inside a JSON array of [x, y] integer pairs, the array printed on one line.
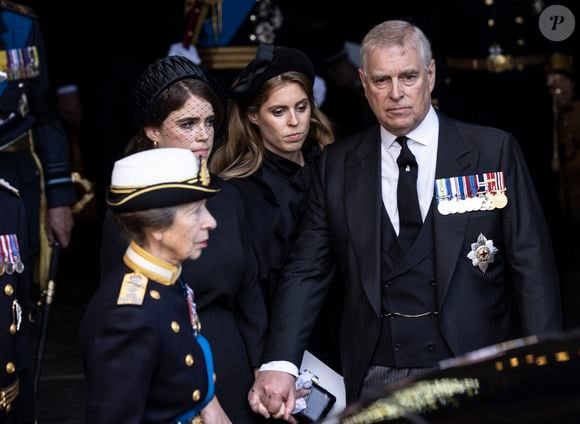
[[453, 159], [362, 194]]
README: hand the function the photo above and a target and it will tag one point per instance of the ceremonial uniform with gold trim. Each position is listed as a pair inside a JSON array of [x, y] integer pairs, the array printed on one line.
[[15, 378], [33, 146], [143, 362]]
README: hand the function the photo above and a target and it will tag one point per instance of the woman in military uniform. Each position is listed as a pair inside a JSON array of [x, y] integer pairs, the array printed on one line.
[[144, 357], [175, 107]]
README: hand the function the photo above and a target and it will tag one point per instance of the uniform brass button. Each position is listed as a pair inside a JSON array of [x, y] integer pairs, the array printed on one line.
[[519, 20], [10, 367], [189, 360], [252, 37], [490, 23], [175, 326], [12, 328], [8, 290], [489, 2], [196, 395], [8, 408], [521, 42], [154, 294], [214, 377]]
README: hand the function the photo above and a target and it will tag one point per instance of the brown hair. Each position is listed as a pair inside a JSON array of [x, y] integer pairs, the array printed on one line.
[[135, 225], [169, 100], [243, 153]]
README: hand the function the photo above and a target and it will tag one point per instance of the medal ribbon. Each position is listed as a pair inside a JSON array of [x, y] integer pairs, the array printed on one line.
[[500, 182], [2, 250]]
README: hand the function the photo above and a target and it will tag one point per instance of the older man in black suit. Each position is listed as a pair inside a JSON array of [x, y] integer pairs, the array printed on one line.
[[432, 223]]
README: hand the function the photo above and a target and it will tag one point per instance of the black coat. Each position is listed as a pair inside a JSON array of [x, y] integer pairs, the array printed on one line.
[[275, 199], [228, 298], [340, 233]]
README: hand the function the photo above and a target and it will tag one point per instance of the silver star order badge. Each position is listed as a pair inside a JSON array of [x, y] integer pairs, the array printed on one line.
[[482, 252]]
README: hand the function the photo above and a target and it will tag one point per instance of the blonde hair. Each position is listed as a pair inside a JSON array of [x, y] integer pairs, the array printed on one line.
[[243, 153]]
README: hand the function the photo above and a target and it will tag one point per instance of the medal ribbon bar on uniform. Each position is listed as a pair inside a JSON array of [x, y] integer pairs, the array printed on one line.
[[468, 193], [20, 63]]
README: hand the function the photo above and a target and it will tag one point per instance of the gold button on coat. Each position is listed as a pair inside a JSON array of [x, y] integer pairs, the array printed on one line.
[[10, 367], [519, 20], [8, 290], [12, 328], [490, 23], [189, 360], [175, 326], [196, 395], [154, 294], [489, 2]]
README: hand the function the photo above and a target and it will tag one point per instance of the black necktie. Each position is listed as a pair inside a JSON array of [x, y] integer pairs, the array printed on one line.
[[407, 201]]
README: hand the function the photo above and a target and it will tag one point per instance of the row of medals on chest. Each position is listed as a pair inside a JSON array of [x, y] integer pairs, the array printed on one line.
[[10, 260], [453, 195]]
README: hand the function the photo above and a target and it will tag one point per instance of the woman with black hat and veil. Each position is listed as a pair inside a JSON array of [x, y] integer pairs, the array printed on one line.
[[144, 356], [175, 107], [275, 137]]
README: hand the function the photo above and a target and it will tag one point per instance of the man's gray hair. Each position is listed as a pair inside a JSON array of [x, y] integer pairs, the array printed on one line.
[[396, 33]]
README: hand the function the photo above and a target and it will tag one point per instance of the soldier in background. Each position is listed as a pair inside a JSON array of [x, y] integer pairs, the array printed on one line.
[[16, 394], [497, 69], [33, 148], [36, 190]]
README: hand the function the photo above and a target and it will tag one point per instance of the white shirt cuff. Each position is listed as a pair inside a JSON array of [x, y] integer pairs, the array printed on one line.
[[283, 366]]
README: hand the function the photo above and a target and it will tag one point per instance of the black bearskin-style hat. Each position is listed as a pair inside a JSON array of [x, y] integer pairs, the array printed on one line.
[[270, 62], [157, 77]]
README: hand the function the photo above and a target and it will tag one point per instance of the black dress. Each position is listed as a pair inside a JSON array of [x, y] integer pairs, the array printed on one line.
[[228, 297], [274, 198]]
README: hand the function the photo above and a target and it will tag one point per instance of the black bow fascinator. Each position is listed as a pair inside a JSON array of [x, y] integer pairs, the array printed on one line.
[[270, 62], [157, 77]]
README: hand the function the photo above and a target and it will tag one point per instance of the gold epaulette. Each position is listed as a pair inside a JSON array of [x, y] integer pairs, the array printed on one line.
[[18, 8], [132, 289], [560, 62]]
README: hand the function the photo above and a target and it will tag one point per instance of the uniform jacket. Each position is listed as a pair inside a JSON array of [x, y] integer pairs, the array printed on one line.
[[14, 294], [341, 233], [142, 361], [228, 297]]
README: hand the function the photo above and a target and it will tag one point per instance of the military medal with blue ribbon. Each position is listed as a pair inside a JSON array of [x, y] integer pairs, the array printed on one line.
[[18, 265]]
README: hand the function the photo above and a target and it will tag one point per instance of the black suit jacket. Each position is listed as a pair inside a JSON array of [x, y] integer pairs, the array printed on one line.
[[518, 295]]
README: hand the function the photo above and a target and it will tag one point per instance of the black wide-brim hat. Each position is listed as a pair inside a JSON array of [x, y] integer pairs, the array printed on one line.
[[270, 62], [159, 178]]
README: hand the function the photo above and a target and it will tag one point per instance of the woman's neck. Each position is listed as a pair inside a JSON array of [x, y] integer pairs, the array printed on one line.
[[296, 157]]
